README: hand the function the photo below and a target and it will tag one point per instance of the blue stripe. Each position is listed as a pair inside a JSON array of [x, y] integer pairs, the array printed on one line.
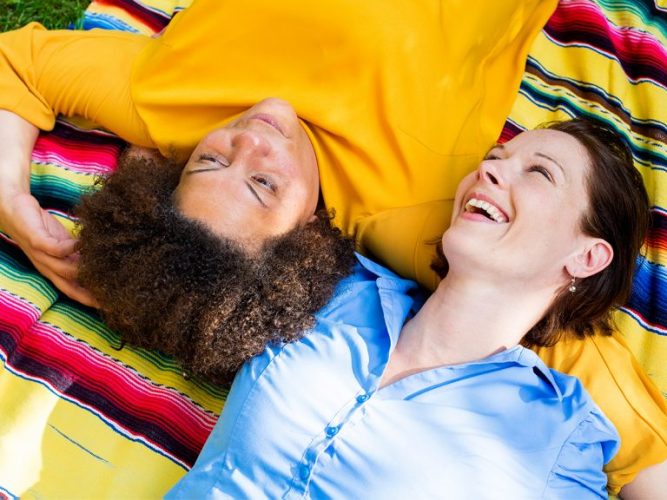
[[649, 295], [588, 87], [79, 445], [642, 323], [104, 21], [5, 491], [649, 158]]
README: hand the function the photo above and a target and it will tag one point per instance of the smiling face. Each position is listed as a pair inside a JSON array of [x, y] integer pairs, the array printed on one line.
[[517, 218], [253, 179]]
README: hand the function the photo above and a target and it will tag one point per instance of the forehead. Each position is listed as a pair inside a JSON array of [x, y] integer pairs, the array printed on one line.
[[562, 147]]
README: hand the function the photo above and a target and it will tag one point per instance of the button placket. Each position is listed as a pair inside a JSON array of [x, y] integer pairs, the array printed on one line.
[[302, 473]]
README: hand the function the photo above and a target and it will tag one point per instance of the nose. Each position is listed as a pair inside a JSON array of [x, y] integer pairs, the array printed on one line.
[[488, 170], [250, 143]]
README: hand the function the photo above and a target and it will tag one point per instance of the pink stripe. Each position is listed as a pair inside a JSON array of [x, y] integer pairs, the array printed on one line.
[[77, 156], [629, 43], [77, 361]]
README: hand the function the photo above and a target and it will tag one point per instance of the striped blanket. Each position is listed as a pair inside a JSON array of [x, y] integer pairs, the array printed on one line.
[[81, 417]]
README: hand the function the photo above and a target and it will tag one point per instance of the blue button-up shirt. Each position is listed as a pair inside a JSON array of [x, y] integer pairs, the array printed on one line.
[[308, 419]]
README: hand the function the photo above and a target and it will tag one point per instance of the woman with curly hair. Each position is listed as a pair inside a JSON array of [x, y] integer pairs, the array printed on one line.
[[393, 397], [356, 84], [171, 284]]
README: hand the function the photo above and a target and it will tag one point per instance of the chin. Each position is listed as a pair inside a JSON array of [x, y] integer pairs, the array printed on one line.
[[464, 250]]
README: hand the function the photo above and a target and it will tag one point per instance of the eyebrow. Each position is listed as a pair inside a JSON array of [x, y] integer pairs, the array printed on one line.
[[252, 190], [190, 172], [542, 155]]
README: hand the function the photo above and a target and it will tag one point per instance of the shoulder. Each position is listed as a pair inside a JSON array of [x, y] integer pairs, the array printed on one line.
[[360, 295]]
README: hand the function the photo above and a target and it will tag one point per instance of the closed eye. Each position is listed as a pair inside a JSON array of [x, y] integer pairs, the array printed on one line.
[[210, 158], [543, 171], [265, 182]]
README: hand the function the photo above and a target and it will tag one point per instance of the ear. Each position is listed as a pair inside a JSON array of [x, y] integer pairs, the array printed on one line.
[[595, 256]]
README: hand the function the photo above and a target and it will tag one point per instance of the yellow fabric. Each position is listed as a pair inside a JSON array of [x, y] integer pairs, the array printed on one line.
[[401, 96]]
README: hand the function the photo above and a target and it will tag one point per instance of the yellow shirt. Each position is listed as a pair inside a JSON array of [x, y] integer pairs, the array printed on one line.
[[398, 111], [403, 95]]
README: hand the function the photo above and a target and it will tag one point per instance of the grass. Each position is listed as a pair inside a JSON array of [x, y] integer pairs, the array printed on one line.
[[51, 13]]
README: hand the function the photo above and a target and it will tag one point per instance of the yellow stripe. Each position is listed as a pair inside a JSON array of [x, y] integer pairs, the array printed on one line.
[[645, 100], [76, 455], [649, 348]]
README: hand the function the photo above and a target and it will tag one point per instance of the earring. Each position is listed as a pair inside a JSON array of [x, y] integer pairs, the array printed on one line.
[[572, 288]]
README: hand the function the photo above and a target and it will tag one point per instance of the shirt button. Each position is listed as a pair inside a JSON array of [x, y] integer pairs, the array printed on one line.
[[332, 431], [304, 472], [362, 398]]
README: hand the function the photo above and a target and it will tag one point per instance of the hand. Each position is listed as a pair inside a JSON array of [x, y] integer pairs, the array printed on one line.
[[46, 242]]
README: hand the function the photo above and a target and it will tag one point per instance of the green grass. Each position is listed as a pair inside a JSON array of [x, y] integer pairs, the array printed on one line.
[[51, 13]]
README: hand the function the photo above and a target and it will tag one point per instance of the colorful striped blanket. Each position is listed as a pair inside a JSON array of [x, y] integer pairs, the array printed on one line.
[[81, 417]]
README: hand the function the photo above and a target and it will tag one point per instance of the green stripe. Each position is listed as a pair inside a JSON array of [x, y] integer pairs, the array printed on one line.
[[537, 94], [161, 361], [16, 272], [57, 187], [639, 9]]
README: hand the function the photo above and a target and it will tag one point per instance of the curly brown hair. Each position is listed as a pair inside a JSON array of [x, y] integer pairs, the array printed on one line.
[[619, 214], [166, 282]]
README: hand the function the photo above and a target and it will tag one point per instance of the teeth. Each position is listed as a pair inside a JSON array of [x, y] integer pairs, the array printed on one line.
[[492, 211]]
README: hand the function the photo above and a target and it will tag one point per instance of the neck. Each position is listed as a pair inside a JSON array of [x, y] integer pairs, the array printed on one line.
[[468, 319]]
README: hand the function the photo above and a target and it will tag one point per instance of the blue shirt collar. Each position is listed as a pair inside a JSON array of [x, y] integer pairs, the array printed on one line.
[[401, 298]]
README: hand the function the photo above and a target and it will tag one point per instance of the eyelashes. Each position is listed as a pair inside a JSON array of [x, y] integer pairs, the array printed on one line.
[[541, 170], [209, 158], [263, 181]]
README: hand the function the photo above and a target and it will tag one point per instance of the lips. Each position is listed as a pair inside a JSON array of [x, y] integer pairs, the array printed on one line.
[[269, 120], [478, 203]]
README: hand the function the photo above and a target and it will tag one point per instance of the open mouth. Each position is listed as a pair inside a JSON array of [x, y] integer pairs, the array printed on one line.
[[491, 212]]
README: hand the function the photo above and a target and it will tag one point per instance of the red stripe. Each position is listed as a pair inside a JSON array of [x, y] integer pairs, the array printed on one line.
[[65, 361], [76, 154], [583, 22]]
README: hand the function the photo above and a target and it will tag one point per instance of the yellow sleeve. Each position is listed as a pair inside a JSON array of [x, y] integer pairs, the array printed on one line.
[[85, 73], [619, 386]]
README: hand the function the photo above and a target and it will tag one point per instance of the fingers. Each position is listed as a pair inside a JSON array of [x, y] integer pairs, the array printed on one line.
[[53, 247], [76, 292], [48, 244], [64, 268], [63, 275]]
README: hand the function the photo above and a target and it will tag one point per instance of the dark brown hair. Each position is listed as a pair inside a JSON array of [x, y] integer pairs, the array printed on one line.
[[166, 282], [618, 213]]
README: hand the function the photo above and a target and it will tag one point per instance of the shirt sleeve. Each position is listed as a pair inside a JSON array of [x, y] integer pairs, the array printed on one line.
[[578, 471], [85, 73], [622, 390]]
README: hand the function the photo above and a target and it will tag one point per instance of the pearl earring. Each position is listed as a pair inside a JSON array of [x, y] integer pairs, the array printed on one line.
[[572, 288]]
